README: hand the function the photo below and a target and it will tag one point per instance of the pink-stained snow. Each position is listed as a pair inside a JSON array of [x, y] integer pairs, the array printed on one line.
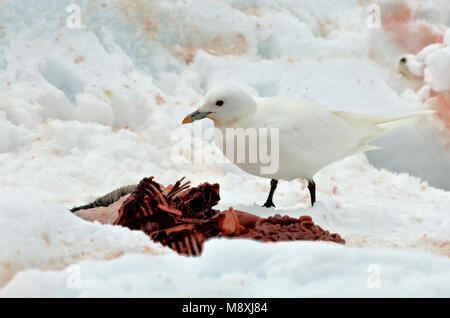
[[86, 110]]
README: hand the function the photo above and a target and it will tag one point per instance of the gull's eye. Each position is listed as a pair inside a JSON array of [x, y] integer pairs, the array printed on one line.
[[403, 60], [219, 103]]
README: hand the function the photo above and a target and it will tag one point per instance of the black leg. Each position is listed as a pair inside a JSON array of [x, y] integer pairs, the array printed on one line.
[[312, 191], [273, 186]]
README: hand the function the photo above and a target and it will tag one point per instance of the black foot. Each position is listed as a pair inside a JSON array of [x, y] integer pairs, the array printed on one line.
[[268, 204], [273, 186], [312, 191]]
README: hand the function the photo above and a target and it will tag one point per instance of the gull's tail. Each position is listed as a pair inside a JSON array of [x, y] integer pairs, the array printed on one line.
[[379, 123]]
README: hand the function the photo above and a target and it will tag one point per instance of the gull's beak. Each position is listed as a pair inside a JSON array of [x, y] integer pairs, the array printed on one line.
[[195, 116], [403, 73]]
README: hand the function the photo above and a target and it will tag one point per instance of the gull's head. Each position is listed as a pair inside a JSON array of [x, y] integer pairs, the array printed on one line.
[[224, 105], [403, 65]]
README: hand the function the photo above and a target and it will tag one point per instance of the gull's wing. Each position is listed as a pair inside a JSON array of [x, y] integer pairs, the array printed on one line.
[[312, 136]]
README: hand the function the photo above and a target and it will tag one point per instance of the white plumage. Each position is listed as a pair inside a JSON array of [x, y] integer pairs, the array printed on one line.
[[311, 136]]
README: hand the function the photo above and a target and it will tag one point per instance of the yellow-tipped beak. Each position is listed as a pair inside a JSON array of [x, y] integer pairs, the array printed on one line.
[[195, 116], [187, 120]]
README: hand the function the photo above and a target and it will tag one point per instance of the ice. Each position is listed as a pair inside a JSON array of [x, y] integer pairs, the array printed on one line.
[[86, 110]]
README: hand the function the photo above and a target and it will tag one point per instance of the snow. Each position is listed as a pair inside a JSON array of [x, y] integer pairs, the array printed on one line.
[[299, 269], [438, 68], [90, 109]]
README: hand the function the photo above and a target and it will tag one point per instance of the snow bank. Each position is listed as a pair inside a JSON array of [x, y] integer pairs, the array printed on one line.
[[230, 268], [85, 110], [36, 233], [369, 207]]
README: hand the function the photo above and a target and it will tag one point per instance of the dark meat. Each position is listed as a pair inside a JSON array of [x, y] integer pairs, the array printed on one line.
[[183, 218]]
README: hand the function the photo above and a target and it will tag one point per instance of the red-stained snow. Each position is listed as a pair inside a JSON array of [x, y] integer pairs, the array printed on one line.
[[409, 33]]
